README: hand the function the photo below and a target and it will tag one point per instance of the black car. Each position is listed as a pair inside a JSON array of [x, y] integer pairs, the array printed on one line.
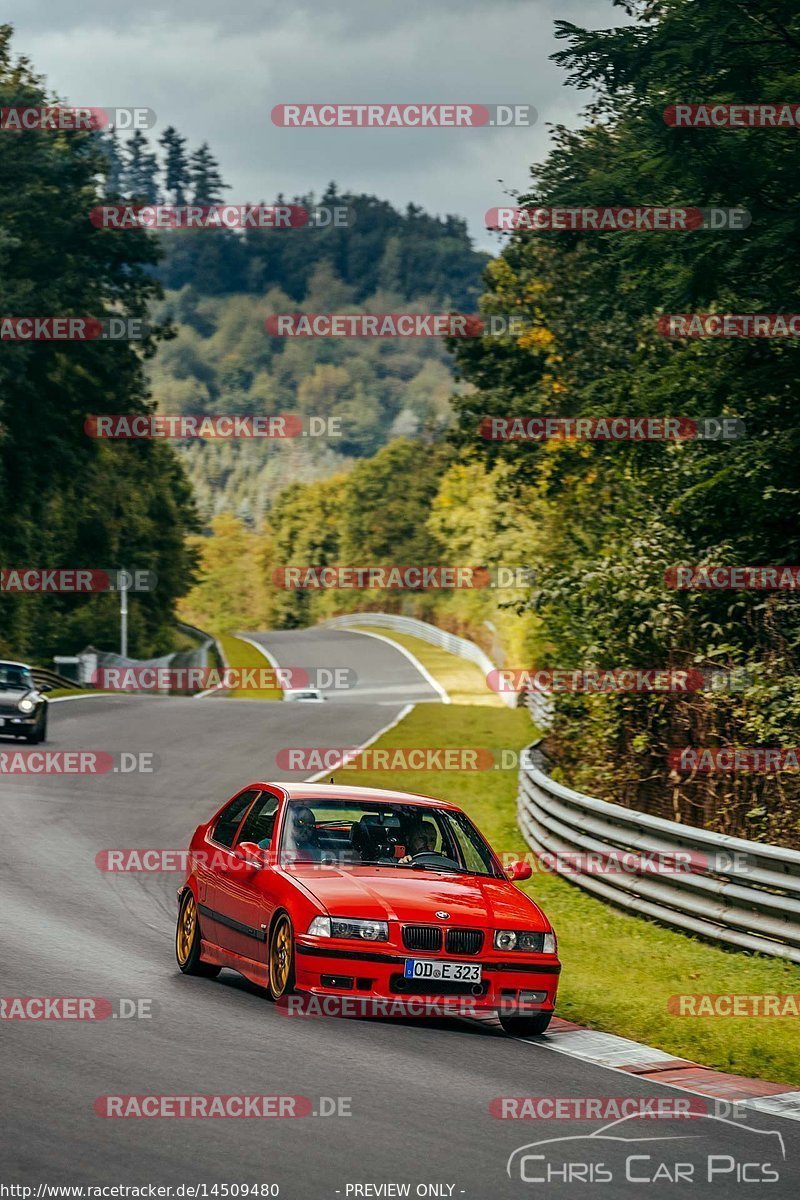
[[23, 708]]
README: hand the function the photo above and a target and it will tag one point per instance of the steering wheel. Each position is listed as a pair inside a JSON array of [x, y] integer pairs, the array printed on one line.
[[426, 855]]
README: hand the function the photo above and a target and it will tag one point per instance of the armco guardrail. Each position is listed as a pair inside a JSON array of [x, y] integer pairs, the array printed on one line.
[[745, 894], [48, 681], [426, 633]]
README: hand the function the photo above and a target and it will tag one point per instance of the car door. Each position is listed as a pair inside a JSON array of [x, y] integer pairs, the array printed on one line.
[[215, 862], [242, 903]]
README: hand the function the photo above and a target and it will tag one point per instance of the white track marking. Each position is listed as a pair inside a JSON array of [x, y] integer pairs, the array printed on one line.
[[352, 754], [424, 672]]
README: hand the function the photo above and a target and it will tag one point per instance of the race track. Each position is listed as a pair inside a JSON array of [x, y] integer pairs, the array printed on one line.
[[419, 1092]]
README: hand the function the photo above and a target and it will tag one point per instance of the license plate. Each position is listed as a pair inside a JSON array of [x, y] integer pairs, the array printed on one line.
[[454, 972]]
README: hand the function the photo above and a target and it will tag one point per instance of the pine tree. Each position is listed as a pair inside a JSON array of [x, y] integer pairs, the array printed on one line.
[[176, 164], [207, 183], [114, 175], [141, 167]]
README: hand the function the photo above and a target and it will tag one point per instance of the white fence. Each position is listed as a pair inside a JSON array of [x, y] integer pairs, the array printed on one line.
[[426, 633], [746, 894]]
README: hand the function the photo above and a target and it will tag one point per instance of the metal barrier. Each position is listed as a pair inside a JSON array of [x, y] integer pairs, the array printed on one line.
[[726, 889], [48, 681], [426, 633]]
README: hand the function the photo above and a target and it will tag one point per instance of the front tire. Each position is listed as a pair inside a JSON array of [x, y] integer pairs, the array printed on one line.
[[280, 979], [187, 941], [518, 1026]]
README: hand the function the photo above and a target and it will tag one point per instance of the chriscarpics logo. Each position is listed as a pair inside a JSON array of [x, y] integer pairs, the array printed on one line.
[[640, 1150]]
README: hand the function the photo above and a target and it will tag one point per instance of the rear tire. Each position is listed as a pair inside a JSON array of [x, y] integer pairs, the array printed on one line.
[[518, 1026], [187, 941], [280, 966]]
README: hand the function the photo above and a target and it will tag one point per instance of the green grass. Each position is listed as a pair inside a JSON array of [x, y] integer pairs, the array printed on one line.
[[242, 654], [619, 970], [462, 680]]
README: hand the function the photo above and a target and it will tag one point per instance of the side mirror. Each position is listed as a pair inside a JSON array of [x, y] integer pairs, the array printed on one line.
[[251, 854], [519, 870]]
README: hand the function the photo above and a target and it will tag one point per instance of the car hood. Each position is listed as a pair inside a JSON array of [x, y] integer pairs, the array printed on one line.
[[394, 893], [14, 695]]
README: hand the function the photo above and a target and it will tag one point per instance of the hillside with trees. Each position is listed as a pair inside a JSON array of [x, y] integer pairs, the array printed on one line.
[[601, 523]]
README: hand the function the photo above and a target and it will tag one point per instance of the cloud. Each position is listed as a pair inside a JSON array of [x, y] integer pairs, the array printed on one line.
[[215, 72]]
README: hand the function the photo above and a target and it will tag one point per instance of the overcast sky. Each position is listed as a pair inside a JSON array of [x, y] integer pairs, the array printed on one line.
[[215, 70]]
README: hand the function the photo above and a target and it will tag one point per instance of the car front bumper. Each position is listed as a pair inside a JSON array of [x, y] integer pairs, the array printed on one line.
[[18, 723], [372, 974]]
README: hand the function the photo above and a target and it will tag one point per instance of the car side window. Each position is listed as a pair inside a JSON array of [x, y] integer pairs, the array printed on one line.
[[228, 820], [260, 821]]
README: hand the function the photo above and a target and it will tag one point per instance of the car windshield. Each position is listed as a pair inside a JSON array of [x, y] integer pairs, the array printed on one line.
[[408, 837], [15, 678]]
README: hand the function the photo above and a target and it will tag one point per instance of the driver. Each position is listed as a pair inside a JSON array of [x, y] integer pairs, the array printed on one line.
[[420, 841], [304, 835]]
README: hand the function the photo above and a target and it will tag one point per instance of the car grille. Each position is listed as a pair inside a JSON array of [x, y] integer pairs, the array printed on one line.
[[10, 710], [464, 941], [422, 937]]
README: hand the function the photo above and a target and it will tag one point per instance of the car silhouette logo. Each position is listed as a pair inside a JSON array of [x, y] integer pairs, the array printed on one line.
[[443, 916]]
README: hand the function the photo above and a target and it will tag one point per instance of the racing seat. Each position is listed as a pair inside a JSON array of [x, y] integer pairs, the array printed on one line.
[[375, 836]]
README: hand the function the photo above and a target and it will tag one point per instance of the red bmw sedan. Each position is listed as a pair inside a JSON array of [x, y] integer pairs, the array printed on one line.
[[359, 892]]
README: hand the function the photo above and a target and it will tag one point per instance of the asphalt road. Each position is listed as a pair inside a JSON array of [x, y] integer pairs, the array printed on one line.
[[419, 1092], [373, 670]]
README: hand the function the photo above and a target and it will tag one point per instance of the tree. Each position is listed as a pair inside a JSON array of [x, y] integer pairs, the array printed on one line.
[[204, 175], [615, 516], [176, 164], [140, 169], [70, 500], [115, 169]]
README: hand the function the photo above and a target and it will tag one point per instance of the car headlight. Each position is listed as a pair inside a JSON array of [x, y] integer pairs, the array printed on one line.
[[349, 927], [525, 940], [25, 705]]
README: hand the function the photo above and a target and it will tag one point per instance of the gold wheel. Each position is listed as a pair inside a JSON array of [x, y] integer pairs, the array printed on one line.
[[281, 958], [187, 927]]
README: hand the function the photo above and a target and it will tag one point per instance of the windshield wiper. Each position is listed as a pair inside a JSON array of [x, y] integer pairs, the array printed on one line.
[[437, 867]]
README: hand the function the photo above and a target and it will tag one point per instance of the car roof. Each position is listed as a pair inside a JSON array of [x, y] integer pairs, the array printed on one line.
[[338, 791], [9, 662]]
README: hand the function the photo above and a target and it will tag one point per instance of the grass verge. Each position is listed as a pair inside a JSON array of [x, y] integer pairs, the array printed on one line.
[[241, 654], [619, 970], [463, 681]]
